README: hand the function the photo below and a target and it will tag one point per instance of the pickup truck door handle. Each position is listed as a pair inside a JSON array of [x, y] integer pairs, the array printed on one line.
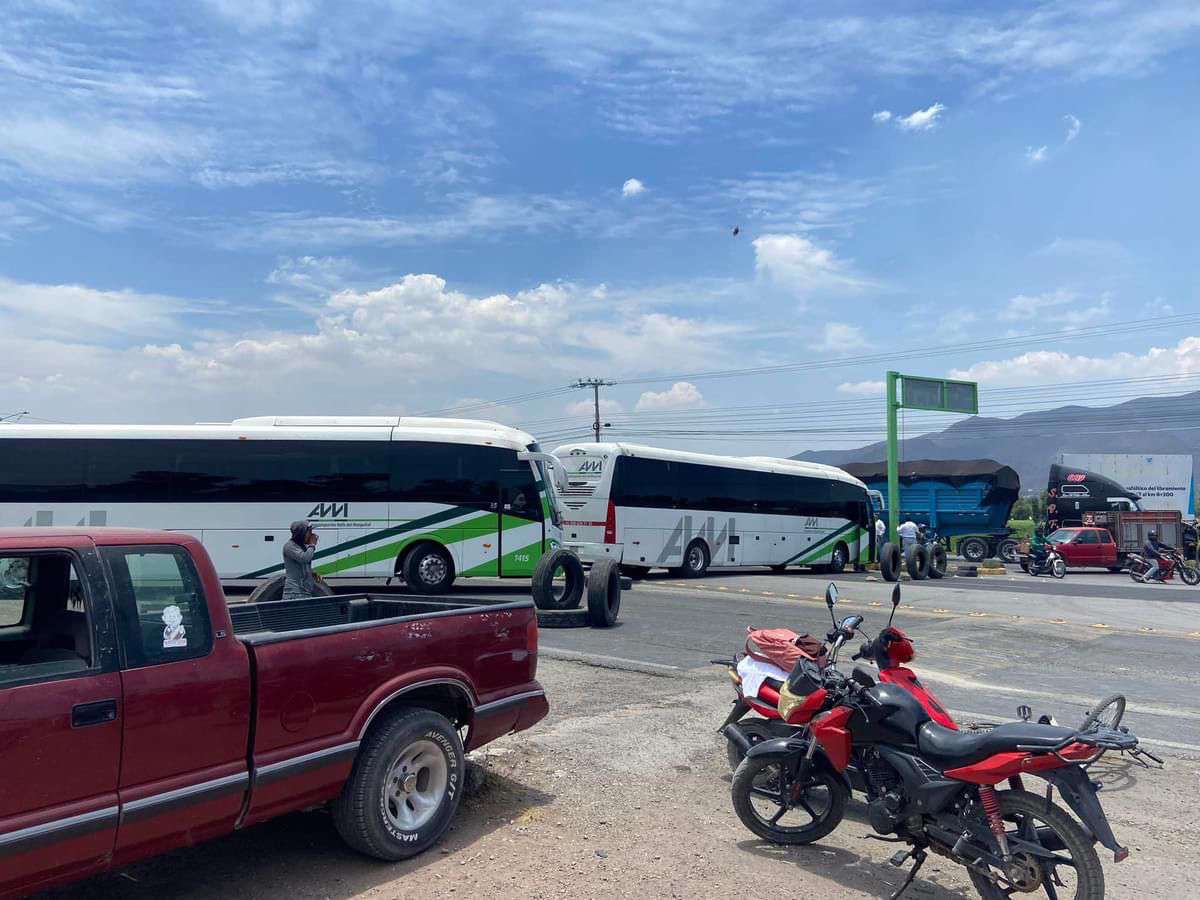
[[95, 713]]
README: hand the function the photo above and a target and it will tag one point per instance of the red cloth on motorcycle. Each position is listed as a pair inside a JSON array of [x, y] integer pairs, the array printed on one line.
[[899, 647], [783, 647]]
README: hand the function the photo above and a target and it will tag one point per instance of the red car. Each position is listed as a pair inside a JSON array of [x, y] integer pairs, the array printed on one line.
[[139, 713], [1086, 547]]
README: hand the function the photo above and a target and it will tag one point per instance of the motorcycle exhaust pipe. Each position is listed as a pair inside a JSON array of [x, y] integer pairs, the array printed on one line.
[[734, 734]]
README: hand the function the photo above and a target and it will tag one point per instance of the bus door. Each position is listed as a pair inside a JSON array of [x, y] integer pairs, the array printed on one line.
[[521, 527]]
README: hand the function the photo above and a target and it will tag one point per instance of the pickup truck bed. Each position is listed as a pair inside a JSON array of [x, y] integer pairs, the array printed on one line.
[[141, 713]]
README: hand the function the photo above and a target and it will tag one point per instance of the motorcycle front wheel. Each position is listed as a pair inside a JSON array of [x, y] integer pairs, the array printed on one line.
[[1058, 569], [1065, 867], [1189, 575], [786, 813]]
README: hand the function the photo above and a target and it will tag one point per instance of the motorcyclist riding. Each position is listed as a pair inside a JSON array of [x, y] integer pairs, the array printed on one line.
[[1039, 547], [1153, 550]]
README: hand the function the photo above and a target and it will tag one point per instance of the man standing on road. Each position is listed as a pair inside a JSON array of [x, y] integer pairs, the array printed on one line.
[[908, 534], [299, 580], [1153, 549]]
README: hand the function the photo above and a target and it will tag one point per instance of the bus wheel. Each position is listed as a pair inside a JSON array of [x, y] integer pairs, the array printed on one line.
[[428, 569], [838, 559], [695, 561], [558, 580]]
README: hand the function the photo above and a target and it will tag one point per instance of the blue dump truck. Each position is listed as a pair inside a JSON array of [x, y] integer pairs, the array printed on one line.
[[968, 499]]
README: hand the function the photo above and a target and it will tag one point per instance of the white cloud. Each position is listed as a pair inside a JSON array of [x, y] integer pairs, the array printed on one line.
[[681, 395], [1067, 308], [1086, 247], [1035, 155], [797, 264], [1073, 127], [840, 337], [884, 115], [922, 119], [1050, 366], [862, 388], [588, 408], [53, 310], [632, 187]]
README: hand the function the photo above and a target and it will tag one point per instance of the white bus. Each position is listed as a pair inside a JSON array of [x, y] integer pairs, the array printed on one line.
[[426, 499], [648, 507]]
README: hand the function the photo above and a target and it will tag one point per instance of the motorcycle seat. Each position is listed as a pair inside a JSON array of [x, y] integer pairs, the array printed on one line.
[[951, 749]]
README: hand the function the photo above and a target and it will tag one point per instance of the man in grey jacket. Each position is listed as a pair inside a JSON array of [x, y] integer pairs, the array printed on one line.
[[298, 577]]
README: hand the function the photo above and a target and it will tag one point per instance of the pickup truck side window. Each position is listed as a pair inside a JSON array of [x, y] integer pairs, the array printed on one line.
[[160, 604], [45, 631]]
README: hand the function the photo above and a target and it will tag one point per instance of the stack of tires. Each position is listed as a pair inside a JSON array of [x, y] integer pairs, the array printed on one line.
[[921, 561], [560, 584]]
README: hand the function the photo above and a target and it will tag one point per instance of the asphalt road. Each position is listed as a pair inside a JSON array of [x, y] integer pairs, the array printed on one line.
[[985, 645]]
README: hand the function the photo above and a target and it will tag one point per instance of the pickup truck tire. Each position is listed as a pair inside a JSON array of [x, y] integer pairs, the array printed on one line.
[[406, 785], [548, 591], [272, 589], [890, 561], [428, 569], [604, 593]]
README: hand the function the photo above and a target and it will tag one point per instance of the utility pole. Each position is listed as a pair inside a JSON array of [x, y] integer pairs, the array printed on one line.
[[595, 384]]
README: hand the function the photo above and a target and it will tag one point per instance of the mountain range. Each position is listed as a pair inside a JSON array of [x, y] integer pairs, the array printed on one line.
[[1030, 442]]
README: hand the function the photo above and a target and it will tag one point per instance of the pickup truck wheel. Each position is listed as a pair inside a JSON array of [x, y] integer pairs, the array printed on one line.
[[405, 788], [428, 569], [604, 593]]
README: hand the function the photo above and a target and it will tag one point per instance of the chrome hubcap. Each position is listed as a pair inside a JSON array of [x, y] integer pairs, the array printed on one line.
[[696, 559], [432, 569], [415, 785]]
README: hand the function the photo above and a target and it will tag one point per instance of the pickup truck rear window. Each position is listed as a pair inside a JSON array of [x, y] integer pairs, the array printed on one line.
[[160, 604]]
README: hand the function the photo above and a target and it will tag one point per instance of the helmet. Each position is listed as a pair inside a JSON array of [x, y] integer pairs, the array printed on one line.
[[1152, 534]]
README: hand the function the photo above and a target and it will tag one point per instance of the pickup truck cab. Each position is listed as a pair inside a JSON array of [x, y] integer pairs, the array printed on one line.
[[139, 713], [1086, 547]]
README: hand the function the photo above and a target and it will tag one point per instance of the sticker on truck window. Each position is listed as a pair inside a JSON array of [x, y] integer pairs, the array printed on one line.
[[174, 634]]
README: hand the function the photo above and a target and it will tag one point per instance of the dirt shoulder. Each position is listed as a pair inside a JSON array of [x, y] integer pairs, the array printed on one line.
[[624, 792]]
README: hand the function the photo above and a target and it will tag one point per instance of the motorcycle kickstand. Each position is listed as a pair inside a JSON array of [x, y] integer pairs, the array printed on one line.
[[898, 860]]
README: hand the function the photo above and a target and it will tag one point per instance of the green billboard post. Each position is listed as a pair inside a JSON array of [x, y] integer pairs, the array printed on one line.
[[936, 394]]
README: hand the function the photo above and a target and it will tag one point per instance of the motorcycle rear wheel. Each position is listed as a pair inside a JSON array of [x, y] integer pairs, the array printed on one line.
[[1026, 815], [812, 810]]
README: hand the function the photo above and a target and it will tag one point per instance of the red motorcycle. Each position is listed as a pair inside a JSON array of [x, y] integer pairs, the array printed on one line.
[[1170, 562], [929, 784]]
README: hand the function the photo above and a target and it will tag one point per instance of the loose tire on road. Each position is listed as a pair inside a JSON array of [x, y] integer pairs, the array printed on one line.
[[916, 560], [549, 592], [939, 562], [563, 618], [973, 549], [1027, 810], [428, 569], [604, 593], [271, 590], [890, 561], [405, 787], [695, 561]]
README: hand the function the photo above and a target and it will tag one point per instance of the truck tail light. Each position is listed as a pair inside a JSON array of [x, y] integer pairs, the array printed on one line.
[[610, 524]]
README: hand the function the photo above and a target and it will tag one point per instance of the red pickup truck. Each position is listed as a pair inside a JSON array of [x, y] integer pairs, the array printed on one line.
[[139, 713]]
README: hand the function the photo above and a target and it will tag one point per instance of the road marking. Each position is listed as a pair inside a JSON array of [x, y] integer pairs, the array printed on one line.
[[1100, 625], [607, 662], [961, 681]]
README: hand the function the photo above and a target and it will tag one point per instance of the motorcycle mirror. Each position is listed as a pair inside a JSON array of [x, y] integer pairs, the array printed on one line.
[[831, 595], [895, 603]]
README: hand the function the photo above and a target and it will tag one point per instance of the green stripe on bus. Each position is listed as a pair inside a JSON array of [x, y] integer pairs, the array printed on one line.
[[424, 522], [823, 546]]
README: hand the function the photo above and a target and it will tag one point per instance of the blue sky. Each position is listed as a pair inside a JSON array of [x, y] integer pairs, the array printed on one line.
[[280, 206]]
